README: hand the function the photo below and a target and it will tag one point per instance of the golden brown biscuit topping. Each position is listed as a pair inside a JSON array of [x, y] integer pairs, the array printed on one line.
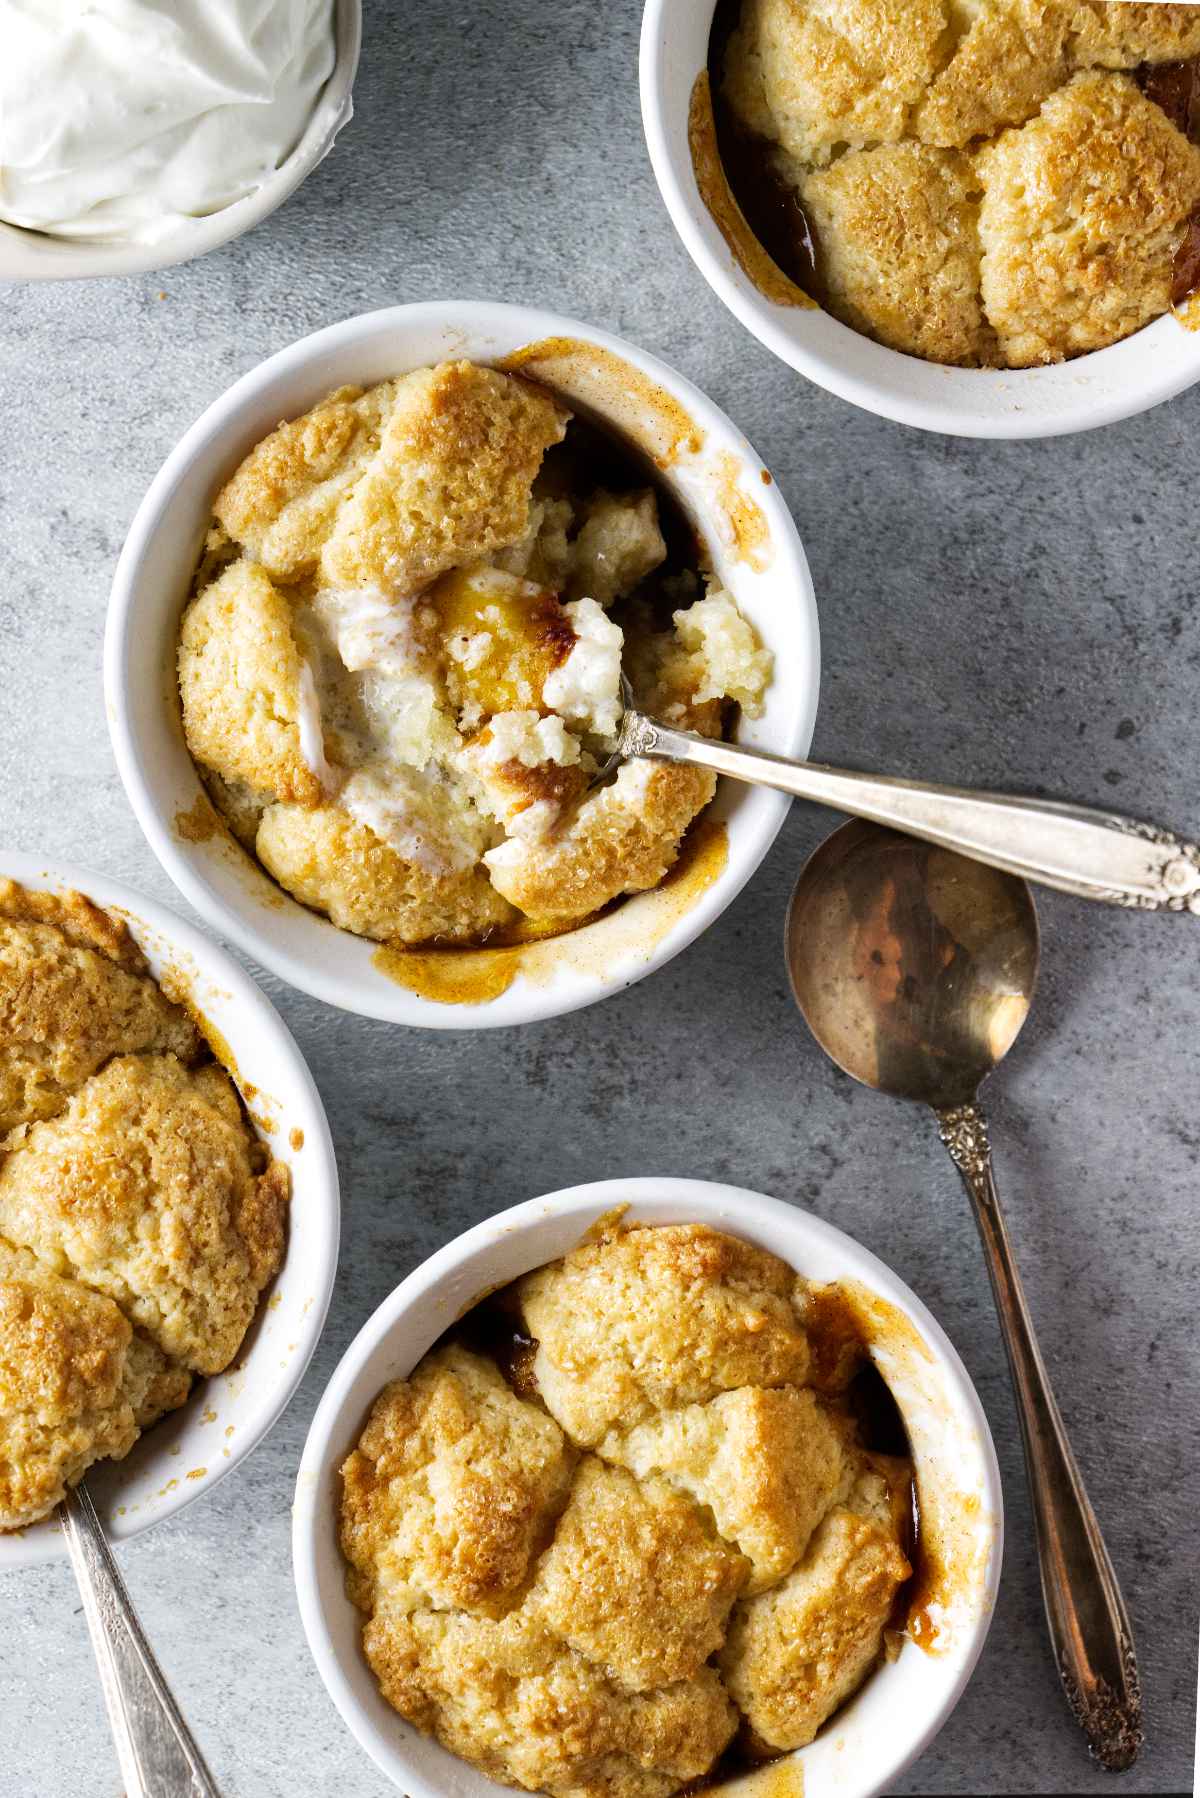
[[608, 1526], [980, 182], [140, 1217]]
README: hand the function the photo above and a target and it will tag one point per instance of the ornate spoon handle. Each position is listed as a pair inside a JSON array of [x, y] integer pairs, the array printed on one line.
[[1094, 854], [1089, 1626], [157, 1755]]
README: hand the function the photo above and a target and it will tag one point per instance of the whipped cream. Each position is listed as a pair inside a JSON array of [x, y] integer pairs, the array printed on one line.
[[586, 688], [122, 119], [370, 629], [312, 735]]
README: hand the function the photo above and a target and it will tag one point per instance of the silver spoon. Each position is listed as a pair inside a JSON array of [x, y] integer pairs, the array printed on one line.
[[914, 969], [157, 1755], [1094, 854]]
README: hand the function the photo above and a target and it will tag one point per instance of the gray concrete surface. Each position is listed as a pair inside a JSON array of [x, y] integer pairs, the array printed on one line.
[[1026, 616]]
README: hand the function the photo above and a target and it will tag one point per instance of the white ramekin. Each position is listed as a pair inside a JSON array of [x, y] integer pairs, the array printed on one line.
[[186, 1453], [1099, 389], [770, 582], [902, 1706], [37, 256]]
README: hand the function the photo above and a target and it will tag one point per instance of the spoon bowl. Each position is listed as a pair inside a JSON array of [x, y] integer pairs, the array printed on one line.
[[914, 968]]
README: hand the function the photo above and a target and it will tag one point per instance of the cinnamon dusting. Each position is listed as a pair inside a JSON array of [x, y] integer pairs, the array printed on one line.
[[607, 385]]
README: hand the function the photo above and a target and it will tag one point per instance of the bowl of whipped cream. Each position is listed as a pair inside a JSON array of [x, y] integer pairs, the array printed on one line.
[[139, 133]]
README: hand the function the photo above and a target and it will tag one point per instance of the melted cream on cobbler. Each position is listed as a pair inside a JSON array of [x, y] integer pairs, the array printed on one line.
[[414, 752]]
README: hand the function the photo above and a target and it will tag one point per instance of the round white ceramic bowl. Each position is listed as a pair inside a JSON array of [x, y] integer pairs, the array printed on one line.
[[1099, 389], [721, 485], [191, 1449], [37, 256], [901, 1707]]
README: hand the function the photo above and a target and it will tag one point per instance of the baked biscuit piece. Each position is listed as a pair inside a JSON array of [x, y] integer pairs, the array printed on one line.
[[516, 1702], [82, 924], [66, 1007], [766, 1461], [618, 544], [1083, 212], [281, 503], [241, 681], [636, 1579], [622, 839], [899, 250], [1121, 36], [452, 1490], [818, 76], [145, 1189], [656, 1319], [1011, 56], [75, 1385], [795, 1653], [329, 862], [451, 482]]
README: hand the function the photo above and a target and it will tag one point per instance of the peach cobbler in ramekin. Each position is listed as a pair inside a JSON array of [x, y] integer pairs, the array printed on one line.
[[642, 1516], [400, 666], [140, 1215], [983, 183]]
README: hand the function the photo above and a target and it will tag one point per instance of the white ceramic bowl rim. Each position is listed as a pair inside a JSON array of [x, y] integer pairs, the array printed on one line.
[[292, 1311], [500, 1249], [1099, 389], [753, 815], [34, 256]]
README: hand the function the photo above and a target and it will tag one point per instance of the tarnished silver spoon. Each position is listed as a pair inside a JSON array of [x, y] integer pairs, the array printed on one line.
[[155, 1749], [1093, 854], [915, 969]]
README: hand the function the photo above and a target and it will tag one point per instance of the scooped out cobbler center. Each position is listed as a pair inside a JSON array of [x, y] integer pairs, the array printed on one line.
[[400, 668]]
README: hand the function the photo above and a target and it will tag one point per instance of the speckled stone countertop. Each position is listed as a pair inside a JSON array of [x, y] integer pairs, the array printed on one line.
[[1021, 616]]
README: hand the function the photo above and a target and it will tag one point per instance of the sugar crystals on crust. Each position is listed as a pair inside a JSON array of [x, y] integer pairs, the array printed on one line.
[[450, 482], [622, 839], [637, 1579], [1010, 57], [1119, 36], [823, 75], [327, 860], [144, 1188], [76, 1385], [900, 249], [648, 1320], [1083, 211], [280, 504], [453, 1489], [514, 1700], [797, 1651], [74, 990], [240, 681], [765, 1461]]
